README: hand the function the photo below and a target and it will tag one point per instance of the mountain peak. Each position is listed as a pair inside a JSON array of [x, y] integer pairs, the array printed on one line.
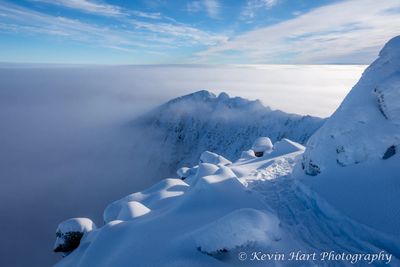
[[366, 126], [391, 48]]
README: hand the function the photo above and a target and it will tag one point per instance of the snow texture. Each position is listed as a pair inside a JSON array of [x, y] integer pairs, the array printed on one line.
[[132, 209], [213, 158], [366, 124], [237, 229], [354, 155], [262, 144]]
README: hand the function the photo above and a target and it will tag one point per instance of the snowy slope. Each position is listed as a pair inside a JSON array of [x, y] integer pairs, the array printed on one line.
[[186, 126], [355, 154], [221, 212]]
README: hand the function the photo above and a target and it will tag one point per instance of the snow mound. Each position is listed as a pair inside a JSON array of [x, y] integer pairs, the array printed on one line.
[[262, 144], [183, 172], [246, 155], [203, 169], [366, 124], [154, 197], [237, 229], [213, 158], [70, 232], [221, 192], [132, 209], [286, 146]]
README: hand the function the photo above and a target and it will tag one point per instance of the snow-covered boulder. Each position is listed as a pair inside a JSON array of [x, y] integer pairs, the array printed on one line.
[[261, 146], [237, 229], [132, 209], [213, 158], [70, 232], [366, 126]]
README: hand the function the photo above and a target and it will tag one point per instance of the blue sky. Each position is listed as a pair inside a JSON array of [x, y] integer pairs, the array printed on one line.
[[199, 32]]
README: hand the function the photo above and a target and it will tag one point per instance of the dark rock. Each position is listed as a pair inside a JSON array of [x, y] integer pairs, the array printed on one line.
[[391, 151]]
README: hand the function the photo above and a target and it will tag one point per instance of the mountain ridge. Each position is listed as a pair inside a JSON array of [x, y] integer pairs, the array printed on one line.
[[188, 125]]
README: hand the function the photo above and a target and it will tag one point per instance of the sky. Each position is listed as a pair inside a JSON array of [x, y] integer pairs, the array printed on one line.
[[196, 32]]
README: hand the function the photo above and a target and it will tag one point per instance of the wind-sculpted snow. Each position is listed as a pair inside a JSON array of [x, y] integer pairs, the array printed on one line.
[[185, 127], [225, 212], [367, 122]]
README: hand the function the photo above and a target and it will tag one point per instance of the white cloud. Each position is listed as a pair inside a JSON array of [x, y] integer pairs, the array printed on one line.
[[345, 32], [180, 34], [87, 6], [211, 7], [253, 6], [100, 8], [127, 35]]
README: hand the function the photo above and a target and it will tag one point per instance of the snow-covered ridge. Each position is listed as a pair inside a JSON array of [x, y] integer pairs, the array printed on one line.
[[353, 159], [222, 210], [187, 126]]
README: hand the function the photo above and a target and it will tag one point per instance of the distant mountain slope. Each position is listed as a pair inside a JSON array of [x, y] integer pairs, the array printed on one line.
[[186, 126]]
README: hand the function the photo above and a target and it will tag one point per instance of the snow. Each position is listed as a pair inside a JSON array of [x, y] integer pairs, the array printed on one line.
[[221, 213], [286, 146], [132, 209], [239, 228], [272, 203], [213, 158], [158, 195], [262, 144], [82, 225], [73, 225], [248, 154], [183, 172], [203, 169], [367, 122], [187, 126], [354, 155]]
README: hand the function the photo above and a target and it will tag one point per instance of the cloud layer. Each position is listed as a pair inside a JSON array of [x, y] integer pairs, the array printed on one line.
[[212, 31]]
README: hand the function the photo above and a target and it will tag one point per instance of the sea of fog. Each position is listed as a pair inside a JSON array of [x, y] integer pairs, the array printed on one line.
[[65, 149]]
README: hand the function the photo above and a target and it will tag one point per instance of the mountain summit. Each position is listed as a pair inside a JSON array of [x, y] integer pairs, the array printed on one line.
[[366, 126]]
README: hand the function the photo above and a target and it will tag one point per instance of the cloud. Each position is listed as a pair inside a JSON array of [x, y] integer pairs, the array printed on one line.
[[125, 35], [211, 7], [180, 34], [345, 32], [99, 8], [87, 6], [253, 6]]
